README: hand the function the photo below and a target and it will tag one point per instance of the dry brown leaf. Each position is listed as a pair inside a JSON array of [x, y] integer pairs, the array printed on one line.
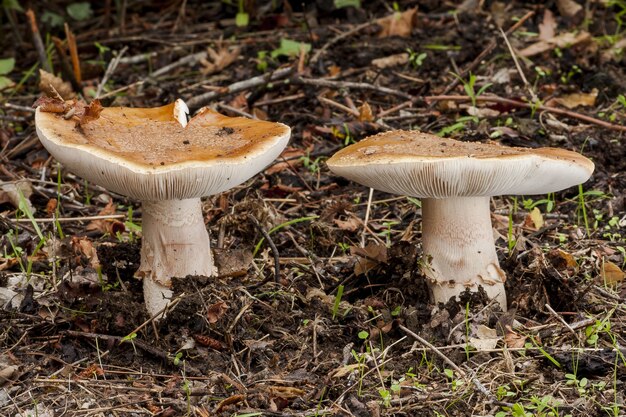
[[346, 370], [7, 373], [391, 61], [485, 339], [564, 40], [514, 340], [232, 262], [90, 112], [51, 105], [334, 70], [104, 226], [92, 371], [233, 399], [369, 257], [83, 246], [350, 225], [216, 312], [398, 24], [12, 192], [572, 101], [49, 83], [568, 8], [611, 274], [562, 260], [219, 59], [365, 113], [534, 219], [547, 28]]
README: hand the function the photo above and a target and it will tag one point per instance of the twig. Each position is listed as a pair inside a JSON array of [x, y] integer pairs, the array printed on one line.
[[516, 103], [71, 45], [270, 242], [337, 38], [559, 318], [519, 67], [41, 50], [186, 60], [339, 106], [203, 99], [110, 70], [348, 85], [454, 366], [119, 340], [367, 216]]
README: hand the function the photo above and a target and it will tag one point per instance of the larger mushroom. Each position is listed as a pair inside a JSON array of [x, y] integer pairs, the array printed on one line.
[[455, 181], [155, 156]]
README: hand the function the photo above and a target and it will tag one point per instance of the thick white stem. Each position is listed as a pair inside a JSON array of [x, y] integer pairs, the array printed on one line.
[[459, 250], [175, 243]]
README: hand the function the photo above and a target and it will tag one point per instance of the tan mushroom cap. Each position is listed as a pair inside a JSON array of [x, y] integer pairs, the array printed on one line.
[[427, 166], [148, 154]]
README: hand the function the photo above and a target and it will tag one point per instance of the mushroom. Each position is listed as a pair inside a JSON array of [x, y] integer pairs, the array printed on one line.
[[156, 156], [455, 181]]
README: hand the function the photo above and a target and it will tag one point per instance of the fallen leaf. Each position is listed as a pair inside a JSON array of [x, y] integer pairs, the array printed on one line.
[[349, 225], [7, 373], [216, 312], [391, 61], [50, 105], [233, 399], [104, 226], [482, 112], [564, 40], [219, 59], [611, 274], [83, 246], [547, 28], [562, 260], [50, 85], [485, 339], [232, 262], [346, 370], [569, 8], [365, 113], [14, 192], [398, 24], [90, 113], [572, 101], [91, 372], [514, 340], [369, 257], [534, 219]]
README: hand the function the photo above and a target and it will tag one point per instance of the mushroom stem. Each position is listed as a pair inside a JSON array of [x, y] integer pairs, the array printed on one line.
[[175, 243], [459, 248]]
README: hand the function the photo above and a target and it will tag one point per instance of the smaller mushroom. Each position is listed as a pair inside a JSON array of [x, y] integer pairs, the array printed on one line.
[[455, 181], [156, 156]]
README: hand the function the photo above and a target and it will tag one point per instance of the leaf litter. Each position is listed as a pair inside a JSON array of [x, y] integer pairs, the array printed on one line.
[[325, 337]]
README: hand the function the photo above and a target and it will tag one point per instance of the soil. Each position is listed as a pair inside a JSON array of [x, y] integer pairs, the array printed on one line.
[[340, 330]]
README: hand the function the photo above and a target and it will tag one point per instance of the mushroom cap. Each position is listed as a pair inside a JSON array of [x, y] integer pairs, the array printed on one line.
[[427, 166], [149, 154]]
